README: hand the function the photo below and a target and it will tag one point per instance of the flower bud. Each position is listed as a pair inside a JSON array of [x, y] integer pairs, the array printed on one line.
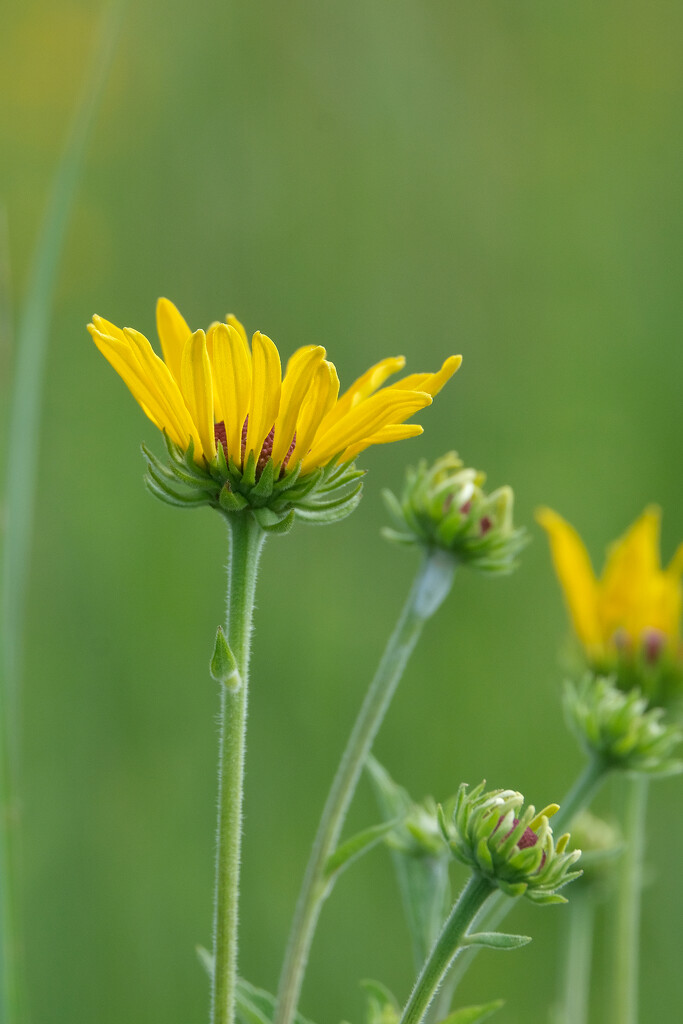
[[511, 846], [618, 728], [444, 506]]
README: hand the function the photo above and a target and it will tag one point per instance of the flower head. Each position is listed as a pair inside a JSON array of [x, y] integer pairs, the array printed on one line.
[[445, 506], [512, 846], [618, 728], [627, 621], [231, 419]]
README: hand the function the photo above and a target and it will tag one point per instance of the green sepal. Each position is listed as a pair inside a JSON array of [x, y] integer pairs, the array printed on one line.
[[263, 489], [231, 501], [271, 522], [223, 666], [473, 1014], [496, 940], [165, 494], [356, 846], [546, 898], [249, 472]]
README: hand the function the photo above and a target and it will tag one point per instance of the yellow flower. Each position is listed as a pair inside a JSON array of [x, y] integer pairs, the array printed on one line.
[[634, 609], [213, 390]]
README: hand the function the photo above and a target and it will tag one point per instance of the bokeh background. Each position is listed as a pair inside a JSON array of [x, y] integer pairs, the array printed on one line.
[[492, 178]]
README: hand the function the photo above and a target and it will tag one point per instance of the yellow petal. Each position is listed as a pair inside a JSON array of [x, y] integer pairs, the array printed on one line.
[[320, 399], [575, 573], [173, 333], [365, 386], [198, 389], [364, 420], [630, 571], [301, 370], [233, 322], [265, 392], [394, 432], [217, 405], [675, 567], [232, 373], [177, 419], [432, 383], [118, 353]]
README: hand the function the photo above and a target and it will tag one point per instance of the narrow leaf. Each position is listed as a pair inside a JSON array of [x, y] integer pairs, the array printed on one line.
[[496, 940], [357, 845], [423, 881], [473, 1014]]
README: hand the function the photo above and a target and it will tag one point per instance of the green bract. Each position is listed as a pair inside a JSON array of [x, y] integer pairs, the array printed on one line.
[[510, 846], [325, 495], [618, 727], [444, 506]]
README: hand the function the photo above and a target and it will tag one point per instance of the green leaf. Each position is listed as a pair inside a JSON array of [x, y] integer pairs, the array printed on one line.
[[383, 1007], [422, 880], [255, 1005], [496, 940], [356, 846], [473, 1014], [223, 666]]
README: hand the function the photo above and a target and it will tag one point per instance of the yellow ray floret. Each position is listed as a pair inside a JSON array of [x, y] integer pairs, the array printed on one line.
[[214, 388], [634, 596]]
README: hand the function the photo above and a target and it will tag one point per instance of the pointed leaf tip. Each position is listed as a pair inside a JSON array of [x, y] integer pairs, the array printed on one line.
[[223, 665]]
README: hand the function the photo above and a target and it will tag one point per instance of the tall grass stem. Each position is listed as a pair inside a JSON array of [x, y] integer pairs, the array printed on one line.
[[19, 498]]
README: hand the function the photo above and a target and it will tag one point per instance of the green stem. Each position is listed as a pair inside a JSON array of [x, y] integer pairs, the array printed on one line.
[[246, 540], [627, 923], [579, 796], [432, 584], [579, 952], [446, 948], [23, 442]]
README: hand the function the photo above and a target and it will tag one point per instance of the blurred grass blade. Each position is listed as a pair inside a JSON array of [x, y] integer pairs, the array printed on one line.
[[19, 498]]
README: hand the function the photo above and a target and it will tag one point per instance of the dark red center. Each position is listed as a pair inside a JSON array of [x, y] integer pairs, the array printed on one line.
[[220, 435]]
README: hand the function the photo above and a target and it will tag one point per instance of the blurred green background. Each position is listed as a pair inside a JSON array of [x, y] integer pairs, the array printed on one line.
[[393, 176]]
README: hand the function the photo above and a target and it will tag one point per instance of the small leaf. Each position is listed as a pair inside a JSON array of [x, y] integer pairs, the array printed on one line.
[[496, 940], [223, 665], [256, 1005], [473, 1014], [422, 881], [383, 1006], [357, 845]]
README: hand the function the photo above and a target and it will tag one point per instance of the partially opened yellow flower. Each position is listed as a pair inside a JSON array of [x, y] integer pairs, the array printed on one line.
[[633, 611], [227, 405]]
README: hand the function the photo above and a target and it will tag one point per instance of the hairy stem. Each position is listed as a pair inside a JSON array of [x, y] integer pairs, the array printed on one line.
[[246, 540], [446, 948], [579, 951]]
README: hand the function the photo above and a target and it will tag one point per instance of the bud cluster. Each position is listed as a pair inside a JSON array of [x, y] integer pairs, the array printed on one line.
[[444, 506], [618, 727], [508, 844]]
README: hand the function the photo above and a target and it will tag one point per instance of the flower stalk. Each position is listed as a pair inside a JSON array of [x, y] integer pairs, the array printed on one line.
[[431, 586], [246, 541], [627, 923], [447, 947]]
